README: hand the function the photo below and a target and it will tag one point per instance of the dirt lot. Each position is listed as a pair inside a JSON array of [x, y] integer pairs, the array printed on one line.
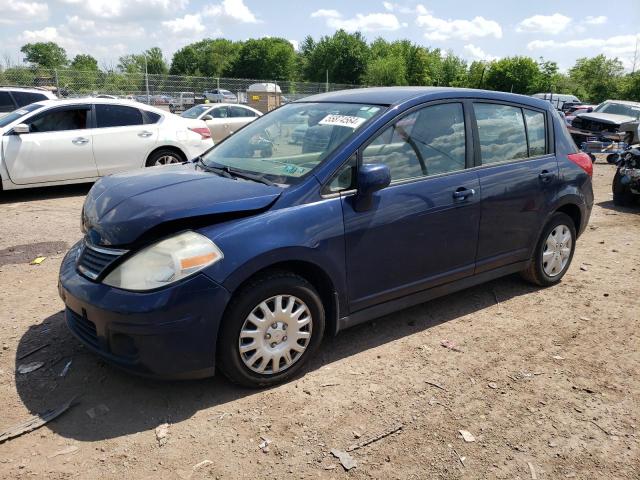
[[546, 380]]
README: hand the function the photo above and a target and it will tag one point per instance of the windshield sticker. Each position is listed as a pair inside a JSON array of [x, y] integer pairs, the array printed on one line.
[[342, 121]]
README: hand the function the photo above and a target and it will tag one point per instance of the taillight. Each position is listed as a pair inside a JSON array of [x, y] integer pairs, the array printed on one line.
[[583, 161], [202, 131]]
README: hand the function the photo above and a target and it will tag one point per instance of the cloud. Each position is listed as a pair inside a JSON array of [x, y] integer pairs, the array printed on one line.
[[397, 7], [441, 29], [599, 20], [621, 46], [549, 24], [81, 26], [370, 22], [476, 53], [22, 11], [188, 24], [296, 44], [234, 10], [129, 9]]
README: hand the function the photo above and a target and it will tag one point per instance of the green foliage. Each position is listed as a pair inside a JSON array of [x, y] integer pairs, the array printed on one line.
[[386, 71], [135, 63], [264, 58], [210, 58], [45, 55], [85, 63], [513, 74], [344, 56], [453, 72], [630, 87], [597, 78]]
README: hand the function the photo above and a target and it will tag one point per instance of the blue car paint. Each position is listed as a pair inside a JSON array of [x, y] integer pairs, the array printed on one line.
[[258, 226]]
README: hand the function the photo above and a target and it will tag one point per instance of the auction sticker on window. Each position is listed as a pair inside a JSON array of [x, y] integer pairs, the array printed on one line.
[[342, 121]]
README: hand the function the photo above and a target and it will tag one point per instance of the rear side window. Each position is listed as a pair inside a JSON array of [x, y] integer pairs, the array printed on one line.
[[117, 116], [220, 112], [150, 117], [6, 103], [60, 120], [502, 132], [25, 98], [430, 141], [241, 112], [536, 132]]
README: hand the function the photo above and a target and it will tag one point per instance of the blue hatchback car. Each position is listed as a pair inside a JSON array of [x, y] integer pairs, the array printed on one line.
[[244, 258]]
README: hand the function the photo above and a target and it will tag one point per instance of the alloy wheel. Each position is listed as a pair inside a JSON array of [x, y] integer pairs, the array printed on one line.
[[166, 160]]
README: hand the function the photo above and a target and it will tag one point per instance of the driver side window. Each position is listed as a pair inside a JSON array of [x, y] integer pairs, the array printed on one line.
[[429, 141]]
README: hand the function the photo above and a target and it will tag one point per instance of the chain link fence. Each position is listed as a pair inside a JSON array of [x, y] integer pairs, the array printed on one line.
[[154, 89]]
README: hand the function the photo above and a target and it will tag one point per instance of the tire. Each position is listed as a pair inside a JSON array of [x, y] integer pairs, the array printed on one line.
[[592, 157], [255, 367], [622, 195], [539, 271], [612, 158], [164, 156]]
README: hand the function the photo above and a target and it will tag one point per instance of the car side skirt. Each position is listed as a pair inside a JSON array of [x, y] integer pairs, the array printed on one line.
[[391, 306]]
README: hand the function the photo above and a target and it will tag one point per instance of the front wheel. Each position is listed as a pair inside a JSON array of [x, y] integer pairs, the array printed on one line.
[[271, 329], [554, 251]]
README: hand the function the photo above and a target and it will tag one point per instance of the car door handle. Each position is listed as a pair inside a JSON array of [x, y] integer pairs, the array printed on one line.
[[80, 141], [546, 176], [145, 134], [463, 193]]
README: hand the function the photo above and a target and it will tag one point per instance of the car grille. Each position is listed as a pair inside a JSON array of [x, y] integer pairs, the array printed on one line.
[[83, 327], [93, 261]]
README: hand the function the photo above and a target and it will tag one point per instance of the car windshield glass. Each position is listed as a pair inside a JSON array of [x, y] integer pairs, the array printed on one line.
[[16, 114], [195, 112], [619, 109], [289, 142]]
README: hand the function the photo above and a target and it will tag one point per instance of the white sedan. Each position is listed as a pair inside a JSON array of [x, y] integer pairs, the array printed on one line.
[[223, 119], [55, 142]]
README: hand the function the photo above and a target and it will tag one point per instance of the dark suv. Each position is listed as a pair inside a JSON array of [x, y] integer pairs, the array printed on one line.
[[12, 98], [245, 258]]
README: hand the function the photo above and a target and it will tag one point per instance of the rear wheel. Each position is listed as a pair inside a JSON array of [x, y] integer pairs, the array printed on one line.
[[271, 329], [554, 251], [612, 158], [622, 194], [164, 156]]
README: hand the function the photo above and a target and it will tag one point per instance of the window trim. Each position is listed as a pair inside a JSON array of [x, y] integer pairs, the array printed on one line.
[[548, 132], [60, 108]]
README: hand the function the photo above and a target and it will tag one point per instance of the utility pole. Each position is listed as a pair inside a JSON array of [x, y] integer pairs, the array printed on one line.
[[635, 57], [327, 82]]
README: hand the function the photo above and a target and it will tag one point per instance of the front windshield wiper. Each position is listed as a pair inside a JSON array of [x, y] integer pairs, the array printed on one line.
[[228, 172]]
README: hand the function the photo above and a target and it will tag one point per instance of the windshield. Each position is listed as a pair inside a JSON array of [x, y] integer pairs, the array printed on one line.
[[16, 114], [195, 112], [619, 109], [289, 142]]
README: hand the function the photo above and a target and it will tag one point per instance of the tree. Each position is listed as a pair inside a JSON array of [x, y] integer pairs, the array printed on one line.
[[598, 77], [513, 74], [386, 71], [631, 87], [454, 71], [476, 73], [205, 58], [135, 63], [45, 54], [84, 63], [264, 58], [344, 56]]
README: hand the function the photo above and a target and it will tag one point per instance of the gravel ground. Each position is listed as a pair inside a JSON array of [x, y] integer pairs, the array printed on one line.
[[545, 380]]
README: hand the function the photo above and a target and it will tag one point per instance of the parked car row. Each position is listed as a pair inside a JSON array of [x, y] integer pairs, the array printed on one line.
[[222, 119], [54, 142], [323, 214], [12, 98]]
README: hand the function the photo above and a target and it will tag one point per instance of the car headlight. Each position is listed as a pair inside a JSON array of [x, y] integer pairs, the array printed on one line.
[[165, 262]]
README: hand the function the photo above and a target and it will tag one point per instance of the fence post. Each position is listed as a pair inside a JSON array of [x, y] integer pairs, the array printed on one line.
[[55, 75]]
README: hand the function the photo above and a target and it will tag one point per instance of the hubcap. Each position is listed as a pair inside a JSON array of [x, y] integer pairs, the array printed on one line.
[[166, 160], [275, 334], [557, 250]]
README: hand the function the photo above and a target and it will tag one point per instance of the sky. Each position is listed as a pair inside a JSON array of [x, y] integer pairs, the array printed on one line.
[[558, 30]]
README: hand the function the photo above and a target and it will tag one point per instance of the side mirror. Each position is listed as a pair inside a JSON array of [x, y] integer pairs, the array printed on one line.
[[21, 128], [590, 109], [371, 178], [206, 118]]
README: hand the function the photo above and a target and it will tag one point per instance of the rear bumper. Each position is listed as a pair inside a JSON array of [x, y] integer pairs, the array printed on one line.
[[169, 333]]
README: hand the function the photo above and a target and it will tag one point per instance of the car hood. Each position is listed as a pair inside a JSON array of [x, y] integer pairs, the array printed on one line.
[[609, 118], [120, 209]]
